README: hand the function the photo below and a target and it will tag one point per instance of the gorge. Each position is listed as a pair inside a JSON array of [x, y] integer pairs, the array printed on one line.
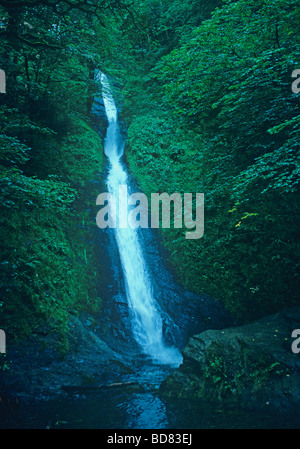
[[122, 304]]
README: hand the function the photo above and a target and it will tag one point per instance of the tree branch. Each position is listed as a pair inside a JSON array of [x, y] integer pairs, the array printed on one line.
[[30, 42], [61, 8]]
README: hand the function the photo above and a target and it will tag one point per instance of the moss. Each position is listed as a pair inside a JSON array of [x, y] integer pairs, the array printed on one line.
[[240, 370], [88, 380], [82, 153], [50, 253], [238, 265]]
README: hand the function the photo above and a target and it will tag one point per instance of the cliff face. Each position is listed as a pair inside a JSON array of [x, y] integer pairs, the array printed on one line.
[[251, 365], [98, 116]]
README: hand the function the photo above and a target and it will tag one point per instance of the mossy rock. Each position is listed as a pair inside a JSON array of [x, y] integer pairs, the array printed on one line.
[[251, 365]]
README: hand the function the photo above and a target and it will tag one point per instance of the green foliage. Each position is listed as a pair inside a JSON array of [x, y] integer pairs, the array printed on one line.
[[223, 120], [49, 157], [47, 261], [227, 376]]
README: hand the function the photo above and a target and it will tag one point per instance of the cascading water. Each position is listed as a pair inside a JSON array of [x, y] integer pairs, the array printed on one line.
[[147, 324]]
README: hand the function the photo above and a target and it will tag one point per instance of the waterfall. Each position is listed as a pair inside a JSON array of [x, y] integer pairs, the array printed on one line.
[[147, 324]]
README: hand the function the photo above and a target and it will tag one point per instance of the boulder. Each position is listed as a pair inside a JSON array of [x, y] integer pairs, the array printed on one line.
[[251, 365]]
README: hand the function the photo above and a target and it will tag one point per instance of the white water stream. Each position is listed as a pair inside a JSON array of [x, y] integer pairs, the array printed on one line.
[[147, 325]]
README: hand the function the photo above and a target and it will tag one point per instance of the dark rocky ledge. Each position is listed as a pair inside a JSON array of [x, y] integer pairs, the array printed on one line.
[[38, 368], [251, 365]]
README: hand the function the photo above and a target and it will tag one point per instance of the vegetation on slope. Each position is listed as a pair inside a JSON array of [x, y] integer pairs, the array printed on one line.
[[50, 154], [224, 120]]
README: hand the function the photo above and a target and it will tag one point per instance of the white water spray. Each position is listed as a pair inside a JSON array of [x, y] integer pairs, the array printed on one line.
[[147, 323]]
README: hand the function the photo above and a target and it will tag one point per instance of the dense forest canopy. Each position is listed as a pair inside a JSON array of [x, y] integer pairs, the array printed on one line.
[[205, 91]]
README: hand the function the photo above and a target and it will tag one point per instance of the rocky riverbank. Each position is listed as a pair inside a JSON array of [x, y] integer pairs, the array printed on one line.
[[251, 365], [40, 369]]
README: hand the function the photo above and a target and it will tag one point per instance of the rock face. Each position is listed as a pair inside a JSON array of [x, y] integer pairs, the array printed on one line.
[[98, 116], [39, 370], [252, 365]]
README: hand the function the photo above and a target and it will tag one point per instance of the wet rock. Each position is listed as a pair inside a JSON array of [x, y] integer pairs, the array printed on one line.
[[251, 365], [39, 367], [98, 116]]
